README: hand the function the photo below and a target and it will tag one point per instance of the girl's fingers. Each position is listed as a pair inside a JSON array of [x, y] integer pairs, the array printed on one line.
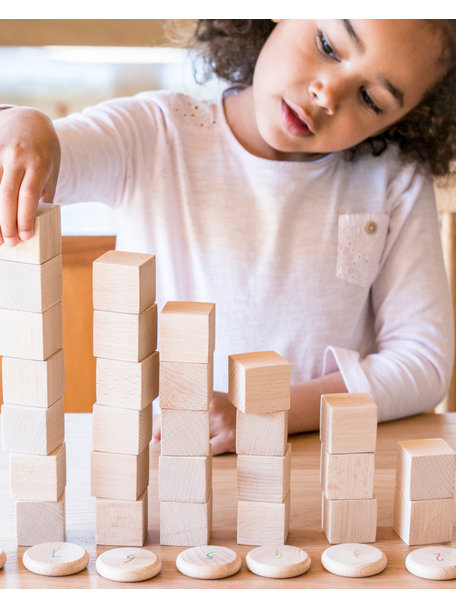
[[29, 195], [9, 190]]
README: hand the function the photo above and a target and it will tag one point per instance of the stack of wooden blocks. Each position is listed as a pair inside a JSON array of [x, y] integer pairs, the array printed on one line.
[[348, 432], [34, 379], [125, 342], [424, 494], [259, 387], [187, 342]]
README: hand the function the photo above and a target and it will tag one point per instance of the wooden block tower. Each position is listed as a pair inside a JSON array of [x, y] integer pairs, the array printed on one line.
[[424, 494], [259, 387], [187, 342], [125, 342], [348, 432], [34, 379]]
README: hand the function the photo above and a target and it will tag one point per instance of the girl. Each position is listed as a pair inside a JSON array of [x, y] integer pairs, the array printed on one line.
[[300, 201]]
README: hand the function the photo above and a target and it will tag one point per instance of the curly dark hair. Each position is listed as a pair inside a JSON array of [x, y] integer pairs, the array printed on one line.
[[229, 49]]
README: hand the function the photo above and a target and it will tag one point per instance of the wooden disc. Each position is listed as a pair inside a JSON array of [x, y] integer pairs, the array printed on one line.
[[128, 564], [208, 561], [2, 558], [278, 561], [55, 559], [433, 562], [354, 560]]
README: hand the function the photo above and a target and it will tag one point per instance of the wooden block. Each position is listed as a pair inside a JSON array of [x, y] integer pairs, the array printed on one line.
[[426, 469], [185, 523], [40, 521], [124, 281], [121, 430], [32, 430], [345, 476], [128, 384], [31, 287], [259, 382], [46, 242], [121, 522], [187, 332], [185, 433], [186, 386], [264, 478], [119, 476], [34, 383], [348, 423], [263, 523], [184, 478], [31, 335], [35, 477], [262, 434], [128, 337], [349, 521]]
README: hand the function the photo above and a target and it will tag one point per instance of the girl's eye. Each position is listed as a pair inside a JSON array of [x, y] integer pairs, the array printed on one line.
[[369, 101], [324, 46]]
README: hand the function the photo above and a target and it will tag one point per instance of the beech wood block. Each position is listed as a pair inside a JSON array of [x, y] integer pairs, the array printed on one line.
[[35, 477], [262, 434], [345, 476], [185, 524], [119, 476], [31, 335], [40, 521], [264, 478], [186, 386], [121, 430], [34, 383], [426, 469], [124, 281], [259, 382], [185, 433], [348, 423], [184, 478], [187, 332], [349, 521], [263, 523], [128, 384], [32, 430], [121, 522]]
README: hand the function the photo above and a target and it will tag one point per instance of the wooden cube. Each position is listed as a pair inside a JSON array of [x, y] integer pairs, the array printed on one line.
[[262, 434], [185, 524], [259, 382], [349, 521], [35, 477], [121, 430], [348, 423], [119, 476], [184, 478], [186, 386], [34, 383], [124, 281], [187, 332], [124, 336], [121, 522], [264, 478], [185, 433], [128, 384], [39, 521], [263, 523], [345, 476], [32, 430]]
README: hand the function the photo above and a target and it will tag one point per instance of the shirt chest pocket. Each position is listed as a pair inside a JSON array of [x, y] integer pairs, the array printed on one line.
[[361, 242]]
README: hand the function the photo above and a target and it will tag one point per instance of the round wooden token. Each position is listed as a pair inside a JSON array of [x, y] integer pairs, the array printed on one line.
[[128, 564], [278, 561], [208, 561], [55, 559], [354, 560], [2, 558], [436, 563]]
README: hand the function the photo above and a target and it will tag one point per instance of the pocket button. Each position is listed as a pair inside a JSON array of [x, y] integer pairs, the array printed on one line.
[[371, 227]]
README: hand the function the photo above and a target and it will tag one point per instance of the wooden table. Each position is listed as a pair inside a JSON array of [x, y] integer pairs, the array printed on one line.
[[305, 527]]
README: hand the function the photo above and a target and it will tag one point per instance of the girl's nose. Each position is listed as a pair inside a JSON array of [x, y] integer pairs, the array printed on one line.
[[325, 95]]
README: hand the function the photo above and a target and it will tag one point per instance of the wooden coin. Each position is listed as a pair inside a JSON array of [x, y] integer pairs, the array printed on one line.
[[128, 564], [2, 558], [208, 562], [433, 562], [55, 559], [278, 561], [353, 560]]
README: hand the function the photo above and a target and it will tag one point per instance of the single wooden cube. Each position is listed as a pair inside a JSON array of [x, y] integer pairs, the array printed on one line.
[[185, 433], [348, 423], [31, 335], [426, 469], [184, 478], [264, 478], [34, 477], [259, 382], [34, 383], [121, 522], [345, 476], [121, 430], [187, 332], [186, 386], [263, 523], [349, 521], [119, 476], [39, 521], [128, 384], [45, 244], [185, 524], [124, 281], [262, 434], [32, 430]]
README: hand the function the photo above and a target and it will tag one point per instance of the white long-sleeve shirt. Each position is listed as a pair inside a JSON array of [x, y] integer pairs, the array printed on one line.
[[336, 265]]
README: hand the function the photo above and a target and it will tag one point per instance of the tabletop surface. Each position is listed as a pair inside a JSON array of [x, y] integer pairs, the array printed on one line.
[[305, 520]]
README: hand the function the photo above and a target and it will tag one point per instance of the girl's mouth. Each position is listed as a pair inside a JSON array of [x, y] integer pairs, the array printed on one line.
[[294, 124]]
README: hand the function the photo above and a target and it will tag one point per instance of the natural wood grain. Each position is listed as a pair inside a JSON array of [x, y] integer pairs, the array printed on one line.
[[39, 521], [347, 475], [56, 559], [121, 522], [119, 476], [264, 478], [263, 523], [120, 430], [184, 524], [185, 433], [35, 477], [184, 478], [349, 520], [262, 434], [186, 386]]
